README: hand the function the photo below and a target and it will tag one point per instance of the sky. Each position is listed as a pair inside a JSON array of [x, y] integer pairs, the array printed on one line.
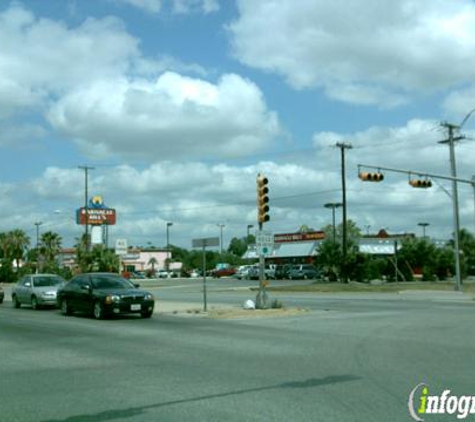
[[179, 104]]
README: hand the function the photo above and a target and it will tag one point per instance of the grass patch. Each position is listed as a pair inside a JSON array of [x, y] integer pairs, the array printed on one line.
[[354, 287]]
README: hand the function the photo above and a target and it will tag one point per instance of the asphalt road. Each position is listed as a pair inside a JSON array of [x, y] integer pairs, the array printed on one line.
[[348, 359]]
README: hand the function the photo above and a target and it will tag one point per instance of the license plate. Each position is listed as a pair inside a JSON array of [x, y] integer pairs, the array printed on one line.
[[135, 307]]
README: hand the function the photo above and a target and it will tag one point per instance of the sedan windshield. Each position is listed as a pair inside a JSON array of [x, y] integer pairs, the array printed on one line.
[[47, 281], [107, 282]]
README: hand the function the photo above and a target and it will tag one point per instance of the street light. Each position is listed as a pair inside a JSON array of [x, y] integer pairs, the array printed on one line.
[[333, 205], [367, 227], [221, 237], [167, 263], [423, 225], [249, 226]]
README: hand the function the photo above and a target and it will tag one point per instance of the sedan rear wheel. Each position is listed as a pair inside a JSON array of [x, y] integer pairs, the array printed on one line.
[[98, 310], [65, 308], [16, 302], [34, 303]]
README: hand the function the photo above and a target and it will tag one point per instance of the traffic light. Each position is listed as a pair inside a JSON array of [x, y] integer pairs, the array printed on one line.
[[371, 177], [262, 199], [420, 183]]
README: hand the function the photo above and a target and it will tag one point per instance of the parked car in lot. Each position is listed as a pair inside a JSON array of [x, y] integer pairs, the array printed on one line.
[[281, 272], [2, 294], [242, 272], [104, 294], [37, 290], [304, 271], [223, 272]]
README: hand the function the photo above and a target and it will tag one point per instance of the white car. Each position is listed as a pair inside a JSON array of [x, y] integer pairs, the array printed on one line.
[[37, 290]]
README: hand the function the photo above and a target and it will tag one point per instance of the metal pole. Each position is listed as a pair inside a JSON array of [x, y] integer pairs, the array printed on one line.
[[455, 202], [333, 224], [249, 226], [86, 169], [343, 147], [395, 259], [221, 237], [167, 263], [261, 299], [205, 300]]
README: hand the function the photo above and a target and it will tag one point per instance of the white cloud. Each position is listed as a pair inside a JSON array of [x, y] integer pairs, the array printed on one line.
[[40, 57], [178, 6], [196, 196], [150, 6], [368, 52], [172, 116], [188, 6], [393, 203]]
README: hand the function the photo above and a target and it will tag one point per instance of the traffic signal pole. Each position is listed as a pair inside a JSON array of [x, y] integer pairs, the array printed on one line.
[[262, 217], [454, 179]]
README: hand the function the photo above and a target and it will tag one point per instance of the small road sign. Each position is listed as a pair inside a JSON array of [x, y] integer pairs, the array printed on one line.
[[121, 247], [264, 238], [203, 243]]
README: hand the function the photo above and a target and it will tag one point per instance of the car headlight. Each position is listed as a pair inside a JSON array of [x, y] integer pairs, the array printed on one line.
[[112, 299], [148, 296]]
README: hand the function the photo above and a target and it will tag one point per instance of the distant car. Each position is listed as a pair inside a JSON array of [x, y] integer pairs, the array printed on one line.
[[137, 275], [104, 294], [281, 272], [165, 274], [304, 271], [223, 272], [2, 294], [37, 290], [243, 272]]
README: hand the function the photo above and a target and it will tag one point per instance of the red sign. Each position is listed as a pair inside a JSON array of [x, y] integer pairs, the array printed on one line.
[[96, 216], [298, 237]]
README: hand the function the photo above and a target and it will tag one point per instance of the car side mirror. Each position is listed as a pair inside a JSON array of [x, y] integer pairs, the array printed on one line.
[[136, 285], [86, 287], [28, 284]]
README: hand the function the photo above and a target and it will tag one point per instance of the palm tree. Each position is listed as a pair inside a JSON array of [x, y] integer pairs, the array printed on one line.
[[104, 259], [153, 261], [50, 248], [19, 242]]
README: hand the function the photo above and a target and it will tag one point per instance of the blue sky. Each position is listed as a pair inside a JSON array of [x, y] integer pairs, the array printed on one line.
[[178, 104]]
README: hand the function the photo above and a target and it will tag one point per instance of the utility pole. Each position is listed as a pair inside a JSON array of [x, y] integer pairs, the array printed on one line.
[[455, 199], [86, 194], [344, 146]]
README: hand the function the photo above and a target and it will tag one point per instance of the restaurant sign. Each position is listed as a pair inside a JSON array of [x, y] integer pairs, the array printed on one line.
[[299, 237], [97, 213]]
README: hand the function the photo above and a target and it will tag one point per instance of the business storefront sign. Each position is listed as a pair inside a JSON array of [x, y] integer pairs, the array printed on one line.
[[299, 237]]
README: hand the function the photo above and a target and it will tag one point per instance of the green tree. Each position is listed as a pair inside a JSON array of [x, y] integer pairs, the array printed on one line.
[[49, 250], [238, 246], [104, 259], [418, 253], [153, 261], [19, 243]]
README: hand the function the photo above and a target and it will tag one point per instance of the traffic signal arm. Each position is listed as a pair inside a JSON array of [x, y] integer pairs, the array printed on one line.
[[420, 183], [371, 177]]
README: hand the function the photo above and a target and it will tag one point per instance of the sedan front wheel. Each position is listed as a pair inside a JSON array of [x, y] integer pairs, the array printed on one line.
[[98, 310], [34, 303], [16, 302], [65, 308]]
